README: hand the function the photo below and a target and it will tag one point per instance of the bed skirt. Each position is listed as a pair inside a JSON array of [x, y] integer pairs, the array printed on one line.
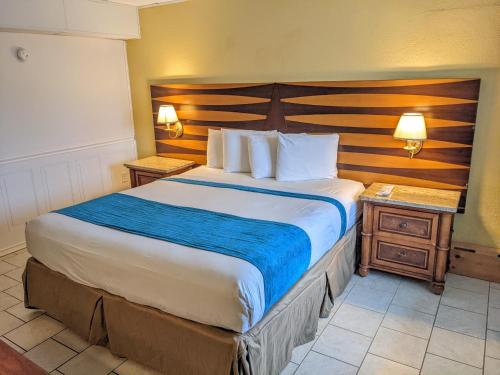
[[174, 345]]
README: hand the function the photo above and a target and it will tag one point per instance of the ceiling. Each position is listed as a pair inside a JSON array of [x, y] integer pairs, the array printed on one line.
[[141, 3]]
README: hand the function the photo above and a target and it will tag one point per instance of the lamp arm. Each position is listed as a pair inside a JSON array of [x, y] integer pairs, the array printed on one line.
[[413, 147]]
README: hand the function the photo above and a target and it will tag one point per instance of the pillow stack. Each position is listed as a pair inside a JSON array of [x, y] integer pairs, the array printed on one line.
[[288, 157]]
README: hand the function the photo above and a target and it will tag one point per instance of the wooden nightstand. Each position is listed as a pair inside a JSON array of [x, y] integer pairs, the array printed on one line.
[[408, 232], [144, 171]]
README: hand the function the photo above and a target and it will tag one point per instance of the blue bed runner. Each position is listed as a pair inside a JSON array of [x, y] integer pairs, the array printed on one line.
[[280, 251], [289, 194]]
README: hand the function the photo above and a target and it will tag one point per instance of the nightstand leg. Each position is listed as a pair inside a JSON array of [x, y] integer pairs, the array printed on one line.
[[367, 239], [437, 288], [443, 249]]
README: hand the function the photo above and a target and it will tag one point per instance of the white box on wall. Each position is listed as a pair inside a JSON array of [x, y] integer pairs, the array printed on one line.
[[95, 18]]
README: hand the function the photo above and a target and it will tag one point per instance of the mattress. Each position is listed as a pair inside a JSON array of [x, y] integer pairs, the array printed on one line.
[[202, 286]]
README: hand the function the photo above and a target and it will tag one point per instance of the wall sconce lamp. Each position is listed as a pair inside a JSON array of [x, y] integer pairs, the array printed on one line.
[[168, 116], [411, 128]]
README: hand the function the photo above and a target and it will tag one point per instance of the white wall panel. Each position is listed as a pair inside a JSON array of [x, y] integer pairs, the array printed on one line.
[[96, 18], [58, 185], [32, 14], [71, 92], [21, 197], [92, 183], [101, 17]]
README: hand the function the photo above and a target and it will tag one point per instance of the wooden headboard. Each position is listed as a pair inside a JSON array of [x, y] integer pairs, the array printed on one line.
[[364, 113]]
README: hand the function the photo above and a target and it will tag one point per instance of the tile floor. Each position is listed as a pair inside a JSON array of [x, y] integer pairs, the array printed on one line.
[[381, 324]]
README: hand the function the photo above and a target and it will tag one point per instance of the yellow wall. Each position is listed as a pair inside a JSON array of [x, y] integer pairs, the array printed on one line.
[[280, 40]]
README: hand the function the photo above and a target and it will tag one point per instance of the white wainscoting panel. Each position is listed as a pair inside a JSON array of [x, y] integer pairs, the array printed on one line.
[[34, 185], [58, 185]]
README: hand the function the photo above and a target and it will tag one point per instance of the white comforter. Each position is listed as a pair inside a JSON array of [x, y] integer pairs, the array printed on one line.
[[203, 286]]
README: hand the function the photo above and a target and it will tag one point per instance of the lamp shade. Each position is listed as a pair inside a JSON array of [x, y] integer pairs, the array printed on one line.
[[411, 126], [167, 115]]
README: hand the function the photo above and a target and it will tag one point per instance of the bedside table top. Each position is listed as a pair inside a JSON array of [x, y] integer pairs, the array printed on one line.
[[416, 197], [159, 164]]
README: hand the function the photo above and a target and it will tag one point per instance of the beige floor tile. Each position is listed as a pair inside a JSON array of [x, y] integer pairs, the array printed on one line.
[[395, 346], [373, 365], [72, 340], [368, 298], [8, 322], [13, 346], [17, 259], [384, 281], [16, 274], [16, 292], [494, 319], [491, 366], [467, 283], [23, 313], [434, 365], [34, 332], [357, 319], [289, 369], [50, 354], [55, 372], [95, 360], [465, 300], [7, 282], [493, 344], [318, 364], [300, 352], [458, 347], [461, 321], [341, 344], [133, 368], [7, 301], [6, 267], [494, 300], [416, 295], [409, 321], [494, 285]]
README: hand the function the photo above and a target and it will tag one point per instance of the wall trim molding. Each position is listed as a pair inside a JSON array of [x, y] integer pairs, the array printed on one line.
[[66, 150], [13, 248]]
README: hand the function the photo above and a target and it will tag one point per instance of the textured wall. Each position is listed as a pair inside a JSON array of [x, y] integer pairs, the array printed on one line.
[[284, 40]]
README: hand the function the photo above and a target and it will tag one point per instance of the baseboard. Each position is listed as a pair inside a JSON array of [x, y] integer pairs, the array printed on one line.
[[12, 249], [474, 260]]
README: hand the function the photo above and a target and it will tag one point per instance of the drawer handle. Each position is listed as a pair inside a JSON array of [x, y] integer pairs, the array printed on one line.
[[403, 225], [402, 254]]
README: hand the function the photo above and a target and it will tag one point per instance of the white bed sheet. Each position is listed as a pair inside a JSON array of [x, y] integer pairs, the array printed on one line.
[[203, 286]]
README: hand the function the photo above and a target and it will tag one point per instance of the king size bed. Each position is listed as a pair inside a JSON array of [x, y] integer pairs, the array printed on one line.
[[185, 303]]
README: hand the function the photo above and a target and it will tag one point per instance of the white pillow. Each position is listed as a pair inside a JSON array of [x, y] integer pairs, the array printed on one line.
[[306, 157], [262, 150], [235, 149], [214, 149]]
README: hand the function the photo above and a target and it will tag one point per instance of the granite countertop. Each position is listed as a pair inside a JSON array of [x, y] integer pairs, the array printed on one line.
[[416, 197], [159, 164]]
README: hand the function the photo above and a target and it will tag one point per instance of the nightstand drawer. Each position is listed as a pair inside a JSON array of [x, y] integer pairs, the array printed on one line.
[[392, 254], [143, 178], [420, 226]]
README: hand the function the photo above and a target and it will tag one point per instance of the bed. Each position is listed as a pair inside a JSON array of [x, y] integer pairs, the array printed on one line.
[[111, 280]]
